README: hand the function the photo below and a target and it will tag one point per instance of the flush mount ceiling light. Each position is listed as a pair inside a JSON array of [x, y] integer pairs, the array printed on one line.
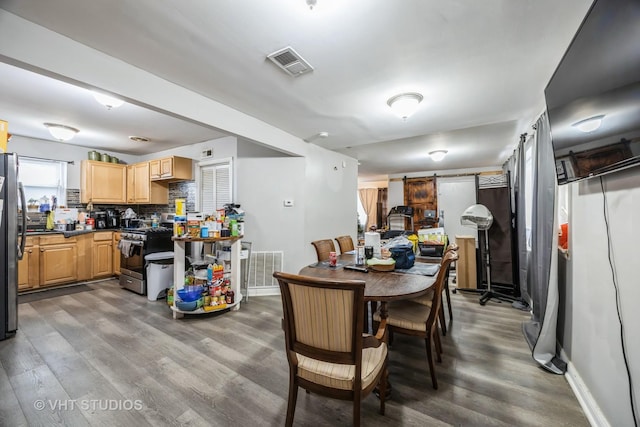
[[316, 136], [405, 104], [61, 132], [106, 100], [311, 3], [139, 139], [590, 124], [438, 155]]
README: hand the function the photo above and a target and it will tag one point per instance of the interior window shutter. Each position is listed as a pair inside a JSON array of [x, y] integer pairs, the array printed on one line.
[[215, 187], [207, 190], [223, 186]]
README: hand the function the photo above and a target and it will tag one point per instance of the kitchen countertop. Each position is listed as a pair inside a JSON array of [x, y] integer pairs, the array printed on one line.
[[64, 233]]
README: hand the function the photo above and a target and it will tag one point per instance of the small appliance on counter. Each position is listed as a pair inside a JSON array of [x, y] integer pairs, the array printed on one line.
[[113, 218], [100, 219]]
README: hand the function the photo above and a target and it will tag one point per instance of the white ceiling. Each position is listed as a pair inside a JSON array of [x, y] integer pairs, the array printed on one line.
[[481, 66]]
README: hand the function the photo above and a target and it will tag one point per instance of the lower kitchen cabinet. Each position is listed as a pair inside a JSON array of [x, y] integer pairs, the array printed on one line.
[[102, 254], [116, 253], [52, 259], [29, 265], [58, 260]]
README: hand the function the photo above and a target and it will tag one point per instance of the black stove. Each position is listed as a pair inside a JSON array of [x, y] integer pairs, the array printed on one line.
[[136, 243]]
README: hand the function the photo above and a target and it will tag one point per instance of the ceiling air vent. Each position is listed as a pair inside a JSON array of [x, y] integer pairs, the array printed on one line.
[[289, 60]]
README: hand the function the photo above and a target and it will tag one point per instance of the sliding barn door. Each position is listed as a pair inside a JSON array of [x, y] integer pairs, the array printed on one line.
[[420, 194]]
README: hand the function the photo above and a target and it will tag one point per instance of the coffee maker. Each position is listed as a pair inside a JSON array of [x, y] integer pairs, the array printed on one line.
[[113, 218], [101, 219]]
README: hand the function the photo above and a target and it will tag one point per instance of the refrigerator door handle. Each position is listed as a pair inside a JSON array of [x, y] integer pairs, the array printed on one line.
[[23, 237]]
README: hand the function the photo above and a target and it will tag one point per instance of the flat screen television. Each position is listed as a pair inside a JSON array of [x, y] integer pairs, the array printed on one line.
[[593, 98]]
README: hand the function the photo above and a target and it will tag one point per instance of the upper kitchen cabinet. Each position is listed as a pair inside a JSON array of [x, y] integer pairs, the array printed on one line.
[[140, 188], [171, 169], [102, 182]]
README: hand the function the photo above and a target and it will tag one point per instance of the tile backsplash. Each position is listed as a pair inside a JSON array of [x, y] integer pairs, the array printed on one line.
[[177, 190]]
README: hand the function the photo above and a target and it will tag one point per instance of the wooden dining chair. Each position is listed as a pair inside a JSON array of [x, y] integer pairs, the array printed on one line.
[[345, 243], [411, 318], [323, 247], [327, 352], [426, 299]]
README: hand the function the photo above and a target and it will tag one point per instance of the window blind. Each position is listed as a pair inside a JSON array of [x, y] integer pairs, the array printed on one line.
[[215, 187]]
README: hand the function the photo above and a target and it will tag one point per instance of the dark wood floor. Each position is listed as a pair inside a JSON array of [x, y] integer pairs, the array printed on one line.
[[106, 348]]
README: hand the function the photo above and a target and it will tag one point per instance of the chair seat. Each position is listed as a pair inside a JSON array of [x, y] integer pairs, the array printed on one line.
[[425, 299], [340, 376], [406, 314]]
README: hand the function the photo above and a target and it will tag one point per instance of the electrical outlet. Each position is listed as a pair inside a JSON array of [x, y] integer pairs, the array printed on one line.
[[288, 203]]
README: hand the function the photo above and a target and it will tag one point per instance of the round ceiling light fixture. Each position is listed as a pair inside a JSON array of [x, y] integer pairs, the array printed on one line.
[[139, 139], [405, 104], [437, 155], [107, 100], [61, 132]]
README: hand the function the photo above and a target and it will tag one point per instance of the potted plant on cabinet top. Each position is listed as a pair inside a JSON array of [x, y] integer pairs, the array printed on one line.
[[33, 205]]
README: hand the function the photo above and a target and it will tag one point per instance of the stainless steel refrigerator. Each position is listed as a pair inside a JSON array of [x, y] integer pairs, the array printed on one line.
[[12, 239]]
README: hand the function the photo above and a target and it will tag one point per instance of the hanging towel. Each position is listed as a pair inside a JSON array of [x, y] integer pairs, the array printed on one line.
[[126, 248]]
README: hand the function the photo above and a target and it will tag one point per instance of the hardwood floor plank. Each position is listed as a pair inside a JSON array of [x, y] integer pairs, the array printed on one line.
[[10, 411], [230, 369]]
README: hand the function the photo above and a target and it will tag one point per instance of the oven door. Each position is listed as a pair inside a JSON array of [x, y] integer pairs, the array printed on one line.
[[133, 265]]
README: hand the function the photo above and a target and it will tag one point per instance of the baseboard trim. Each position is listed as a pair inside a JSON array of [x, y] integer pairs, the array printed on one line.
[[264, 291], [590, 407]]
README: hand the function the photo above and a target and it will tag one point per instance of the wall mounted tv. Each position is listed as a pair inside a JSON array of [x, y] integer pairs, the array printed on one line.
[[593, 98]]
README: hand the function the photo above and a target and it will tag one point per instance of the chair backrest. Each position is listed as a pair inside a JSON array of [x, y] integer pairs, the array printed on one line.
[[451, 247], [323, 247], [345, 243], [323, 318], [443, 274]]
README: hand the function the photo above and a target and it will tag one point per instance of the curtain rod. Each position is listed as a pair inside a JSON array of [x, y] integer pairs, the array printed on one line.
[[70, 162], [496, 172]]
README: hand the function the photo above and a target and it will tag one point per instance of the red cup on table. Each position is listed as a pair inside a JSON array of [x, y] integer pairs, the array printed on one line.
[[333, 259]]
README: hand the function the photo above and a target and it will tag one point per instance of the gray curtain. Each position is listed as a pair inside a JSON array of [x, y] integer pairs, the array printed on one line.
[[523, 253], [542, 285], [515, 165]]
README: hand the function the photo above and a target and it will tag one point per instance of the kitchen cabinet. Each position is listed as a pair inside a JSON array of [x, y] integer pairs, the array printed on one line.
[[102, 254], [116, 253], [102, 182], [172, 168], [29, 265], [140, 188], [83, 244], [58, 260]]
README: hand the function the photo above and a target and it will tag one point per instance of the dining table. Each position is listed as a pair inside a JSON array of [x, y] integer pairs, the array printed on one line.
[[380, 286]]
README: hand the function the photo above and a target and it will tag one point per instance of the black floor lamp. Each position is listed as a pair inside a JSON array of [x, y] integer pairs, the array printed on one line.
[[480, 218]]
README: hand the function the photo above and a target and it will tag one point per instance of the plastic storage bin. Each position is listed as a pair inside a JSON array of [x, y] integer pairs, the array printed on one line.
[[159, 273]]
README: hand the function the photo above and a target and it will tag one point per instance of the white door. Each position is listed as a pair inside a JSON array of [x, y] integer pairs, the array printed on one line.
[[456, 194]]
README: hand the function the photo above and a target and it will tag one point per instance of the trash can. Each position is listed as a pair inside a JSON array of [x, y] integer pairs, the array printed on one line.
[[159, 267]]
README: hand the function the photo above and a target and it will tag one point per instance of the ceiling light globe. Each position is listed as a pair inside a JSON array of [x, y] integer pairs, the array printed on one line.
[[437, 155], [61, 132], [405, 104], [108, 101]]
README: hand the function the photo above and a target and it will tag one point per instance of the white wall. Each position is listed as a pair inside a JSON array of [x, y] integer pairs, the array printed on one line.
[[59, 151], [330, 198], [589, 331], [263, 185], [395, 196]]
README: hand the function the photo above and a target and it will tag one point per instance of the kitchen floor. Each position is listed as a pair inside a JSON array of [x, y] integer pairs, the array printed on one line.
[[106, 356]]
